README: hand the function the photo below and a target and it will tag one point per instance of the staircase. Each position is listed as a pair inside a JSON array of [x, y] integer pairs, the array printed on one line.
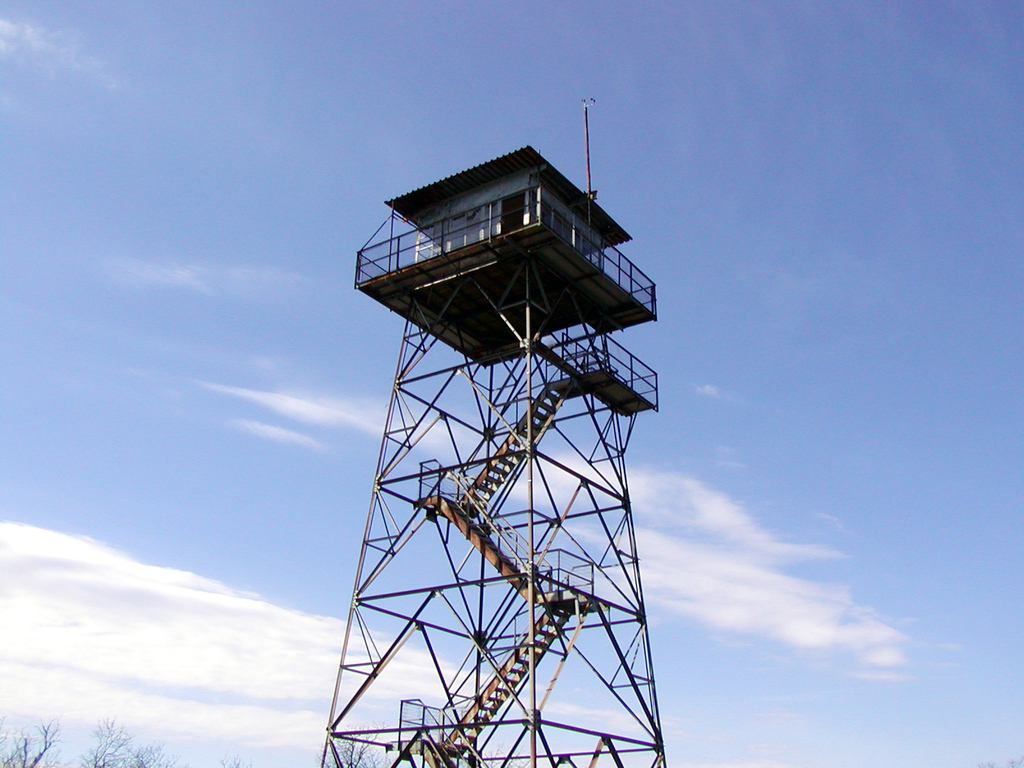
[[469, 513], [509, 678], [505, 460], [479, 535]]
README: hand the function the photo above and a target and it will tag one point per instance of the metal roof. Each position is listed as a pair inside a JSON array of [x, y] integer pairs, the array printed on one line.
[[411, 203]]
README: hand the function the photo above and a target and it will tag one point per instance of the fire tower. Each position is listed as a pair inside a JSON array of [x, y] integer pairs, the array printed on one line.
[[498, 619]]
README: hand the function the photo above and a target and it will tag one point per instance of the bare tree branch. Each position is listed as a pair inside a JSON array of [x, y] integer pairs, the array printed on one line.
[[30, 749], [116, 748]]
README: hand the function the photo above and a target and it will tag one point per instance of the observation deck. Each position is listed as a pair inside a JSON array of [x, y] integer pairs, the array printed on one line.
[[604, 369], [453, 260]]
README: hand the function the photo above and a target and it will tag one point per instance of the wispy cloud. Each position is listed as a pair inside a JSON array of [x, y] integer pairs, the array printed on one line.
[[89, 632], [53, 52], [725, 457], [140, 274], [706, 558], [278, 434], [611, 719], [734, 764], [833, 521], [310, 409], [88, 629], [237, 281], [732, 591], [675, 502], [716, 393]]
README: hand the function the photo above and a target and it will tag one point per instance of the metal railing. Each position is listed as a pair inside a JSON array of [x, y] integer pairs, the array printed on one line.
[[560, 570], [414, 715], [457, 487], [437, 481], [417, 244], [419, 723], [572, 229], [490, 221], [597, 353]]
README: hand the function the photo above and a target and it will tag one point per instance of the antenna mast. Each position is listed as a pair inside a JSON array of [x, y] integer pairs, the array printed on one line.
[[587, 104]]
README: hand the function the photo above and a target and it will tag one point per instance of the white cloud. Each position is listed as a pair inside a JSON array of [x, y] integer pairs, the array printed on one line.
[[726, 458], [140, 273], [706, 558], [114, 634], [53, 51], [682, 502], [708, 389], [89, 633], [703, 556], [279, 434], [244, 282], [610, 719], [888, 677], [310, 409], [716, 393], [833, 521]]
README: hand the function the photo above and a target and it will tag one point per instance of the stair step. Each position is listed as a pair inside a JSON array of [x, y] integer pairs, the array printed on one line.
[[492, 478]]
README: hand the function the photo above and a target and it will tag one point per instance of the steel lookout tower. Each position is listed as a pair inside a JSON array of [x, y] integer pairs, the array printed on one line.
[[498, 618]]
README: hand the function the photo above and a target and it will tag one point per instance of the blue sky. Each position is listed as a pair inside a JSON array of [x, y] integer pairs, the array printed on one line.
[[828, 196]]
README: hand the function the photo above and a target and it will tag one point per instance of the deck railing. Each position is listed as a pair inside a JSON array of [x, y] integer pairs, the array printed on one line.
[[414, 715], [412, 244], [561, 570], [598, 353], [457, 486]]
